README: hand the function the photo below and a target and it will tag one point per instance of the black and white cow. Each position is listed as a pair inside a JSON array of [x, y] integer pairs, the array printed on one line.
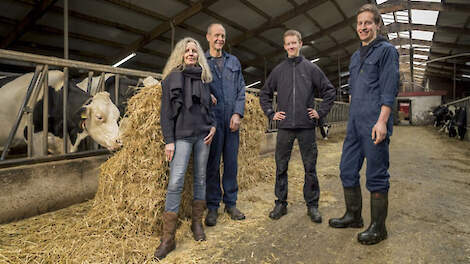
[[13, 92], [460, 121], [95, 116]]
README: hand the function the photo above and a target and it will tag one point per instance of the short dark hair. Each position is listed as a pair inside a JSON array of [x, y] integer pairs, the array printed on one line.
[[373, 9], [292, 32]]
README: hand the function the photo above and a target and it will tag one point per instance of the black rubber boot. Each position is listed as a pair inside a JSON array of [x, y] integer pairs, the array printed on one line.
[[378, 213], [211, 217], [353, 215]]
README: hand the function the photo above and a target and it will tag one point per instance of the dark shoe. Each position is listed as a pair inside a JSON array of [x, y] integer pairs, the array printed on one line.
[[353, 215], [378, 212], [314, 214], [278, 211], [234, 213], [167, 243], [196, 220], [211, 217]]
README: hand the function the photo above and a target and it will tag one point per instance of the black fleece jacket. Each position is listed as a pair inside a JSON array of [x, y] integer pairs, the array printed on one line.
[[296, 80], [185, 109]]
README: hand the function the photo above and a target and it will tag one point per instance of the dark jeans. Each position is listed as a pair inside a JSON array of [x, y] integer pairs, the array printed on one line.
[[309, 152], [225, 143]]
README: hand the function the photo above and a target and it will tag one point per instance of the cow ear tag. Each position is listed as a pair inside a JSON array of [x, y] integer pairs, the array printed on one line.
[[83, 115]]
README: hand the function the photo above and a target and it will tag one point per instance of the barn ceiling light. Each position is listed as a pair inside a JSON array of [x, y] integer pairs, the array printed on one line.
[[253, 84], [467, 63], [315, 60], [124, 60], [466, 76]]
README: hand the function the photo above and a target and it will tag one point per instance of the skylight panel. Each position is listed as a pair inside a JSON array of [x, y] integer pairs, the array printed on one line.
[[423, 49], [434, 1], [425, 17], [424, 57], [423, 35], [392, 36], [381, 1], [388, 18]]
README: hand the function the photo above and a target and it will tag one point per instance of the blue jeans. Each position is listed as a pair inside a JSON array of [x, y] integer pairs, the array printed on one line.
[[178, 166]]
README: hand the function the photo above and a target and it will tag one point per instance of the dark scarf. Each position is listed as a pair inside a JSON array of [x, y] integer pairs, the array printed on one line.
[[363, 50], [186, 88]]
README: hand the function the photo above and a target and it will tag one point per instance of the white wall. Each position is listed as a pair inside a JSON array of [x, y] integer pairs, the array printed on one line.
[[420, 107]]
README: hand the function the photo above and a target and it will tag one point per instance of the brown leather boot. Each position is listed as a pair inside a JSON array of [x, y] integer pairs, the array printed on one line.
[[168, 243], [196, 226]]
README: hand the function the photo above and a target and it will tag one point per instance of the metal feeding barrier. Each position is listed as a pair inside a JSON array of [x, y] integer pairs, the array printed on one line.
[[339, 111], [39, 83]]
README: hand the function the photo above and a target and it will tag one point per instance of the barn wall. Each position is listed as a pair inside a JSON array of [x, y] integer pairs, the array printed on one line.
[[420, 107], [35, 189]]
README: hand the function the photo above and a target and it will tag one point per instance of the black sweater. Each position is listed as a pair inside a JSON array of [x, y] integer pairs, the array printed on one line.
[[185, 106], [296, 80]]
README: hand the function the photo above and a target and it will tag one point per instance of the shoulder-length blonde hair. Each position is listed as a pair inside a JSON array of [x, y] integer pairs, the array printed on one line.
[[176, 60]]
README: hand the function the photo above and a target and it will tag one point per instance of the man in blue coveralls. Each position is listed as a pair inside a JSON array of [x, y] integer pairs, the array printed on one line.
[[228, 90], [374, 80]]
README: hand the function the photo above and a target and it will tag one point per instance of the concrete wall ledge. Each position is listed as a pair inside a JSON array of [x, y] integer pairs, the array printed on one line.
[[30, 190]]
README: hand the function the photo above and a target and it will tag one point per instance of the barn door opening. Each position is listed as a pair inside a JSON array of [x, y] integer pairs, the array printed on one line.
[[404, 112]]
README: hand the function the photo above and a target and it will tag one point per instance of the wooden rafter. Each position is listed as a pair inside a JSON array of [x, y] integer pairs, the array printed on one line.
[[256, 9], [429, 43], [400, 5], [30, 19], [163, 27], [397, 27], [277, 21]]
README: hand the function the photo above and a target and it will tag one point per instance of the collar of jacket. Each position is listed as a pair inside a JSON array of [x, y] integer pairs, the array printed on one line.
[[208, 54], [297, 59]]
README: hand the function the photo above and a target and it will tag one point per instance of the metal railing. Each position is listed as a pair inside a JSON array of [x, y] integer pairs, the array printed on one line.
[[39, 83], [339, 111]]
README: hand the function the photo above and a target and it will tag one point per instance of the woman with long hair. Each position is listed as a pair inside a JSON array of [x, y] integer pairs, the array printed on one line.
[[188, 127]]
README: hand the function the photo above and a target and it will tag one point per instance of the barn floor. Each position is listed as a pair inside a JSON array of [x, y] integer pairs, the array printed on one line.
[[428, 215]]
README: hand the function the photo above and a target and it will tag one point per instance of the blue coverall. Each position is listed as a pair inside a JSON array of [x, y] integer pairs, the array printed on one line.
[[228, 86], [373, 82]]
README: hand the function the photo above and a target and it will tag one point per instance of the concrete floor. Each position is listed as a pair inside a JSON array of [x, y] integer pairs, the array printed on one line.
[[428, 219]]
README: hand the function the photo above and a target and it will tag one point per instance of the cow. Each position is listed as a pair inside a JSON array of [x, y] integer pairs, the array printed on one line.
[[440, 113], [126, 89], [95, 116], [460, 121], [324, 128], [13, 91]]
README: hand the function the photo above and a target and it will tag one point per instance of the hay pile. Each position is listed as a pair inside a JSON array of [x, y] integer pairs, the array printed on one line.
[[124, 221]]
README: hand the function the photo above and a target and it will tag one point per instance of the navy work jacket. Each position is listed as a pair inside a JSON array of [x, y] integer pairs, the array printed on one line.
[[373, 83], [228, 86]]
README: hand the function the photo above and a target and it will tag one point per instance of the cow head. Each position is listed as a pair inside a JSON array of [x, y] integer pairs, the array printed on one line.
[[100, 120]]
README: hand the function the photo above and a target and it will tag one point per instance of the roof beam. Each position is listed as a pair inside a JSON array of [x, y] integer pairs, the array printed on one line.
[[256, 9], [398, 27], [163, 27], [95, 40], [277, 21], [431, 43], [400, 5], [30, 19]]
